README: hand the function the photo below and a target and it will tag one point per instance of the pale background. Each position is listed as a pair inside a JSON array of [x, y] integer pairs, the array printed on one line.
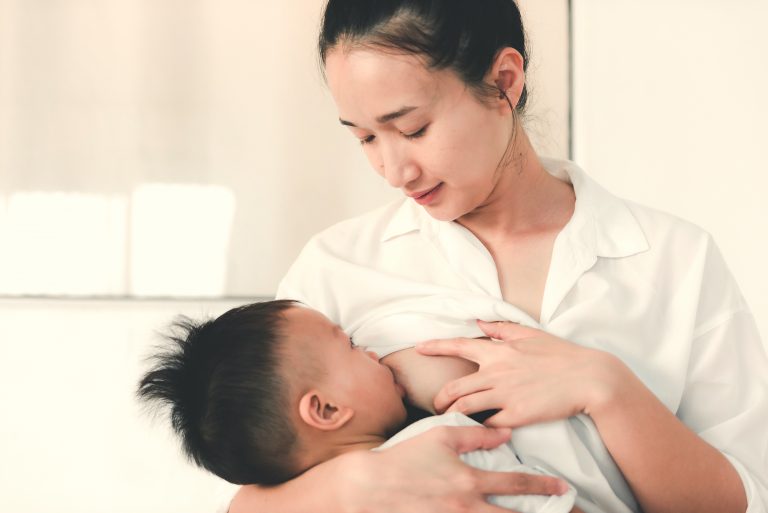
[[185, 148], [176, 150], [670, 110]]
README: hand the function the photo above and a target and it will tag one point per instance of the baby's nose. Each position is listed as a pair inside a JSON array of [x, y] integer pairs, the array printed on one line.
[[372, 355]]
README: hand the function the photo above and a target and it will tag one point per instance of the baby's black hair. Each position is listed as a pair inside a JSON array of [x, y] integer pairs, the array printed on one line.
[[220, 380]]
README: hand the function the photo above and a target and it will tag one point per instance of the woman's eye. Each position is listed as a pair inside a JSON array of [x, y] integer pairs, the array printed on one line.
[[417, 134], [367, 140]]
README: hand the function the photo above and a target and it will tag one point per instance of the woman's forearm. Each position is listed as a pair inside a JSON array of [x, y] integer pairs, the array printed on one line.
[[311, 491], [420, 475], [253, 499], [669, 467]]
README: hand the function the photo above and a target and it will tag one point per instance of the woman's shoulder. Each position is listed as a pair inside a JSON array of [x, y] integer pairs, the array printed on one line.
[[683, 254], [625, 227], [665, 230], [363, 230], [332, 250]]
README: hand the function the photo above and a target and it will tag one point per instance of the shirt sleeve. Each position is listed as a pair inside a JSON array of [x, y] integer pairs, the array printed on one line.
[[725, 399], [317, 278], [306, 279]]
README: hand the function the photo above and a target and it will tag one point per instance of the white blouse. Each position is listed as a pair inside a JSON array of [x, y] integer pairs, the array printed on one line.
[[648, 287]]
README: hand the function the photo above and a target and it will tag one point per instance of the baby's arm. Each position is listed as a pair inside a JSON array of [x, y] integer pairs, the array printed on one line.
[[423, 376]]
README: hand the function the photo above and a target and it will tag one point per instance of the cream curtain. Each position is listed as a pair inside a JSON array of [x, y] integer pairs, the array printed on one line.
[[185, 148]]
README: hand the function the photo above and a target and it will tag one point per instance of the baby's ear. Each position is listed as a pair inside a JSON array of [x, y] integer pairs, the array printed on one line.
[[321, 412]]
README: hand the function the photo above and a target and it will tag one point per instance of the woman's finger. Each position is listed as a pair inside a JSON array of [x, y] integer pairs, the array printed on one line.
[[465, 385], [477, 402], [472, 349], [502, 418], [507, 331], [470, 438], [518, 483], [485, 507]]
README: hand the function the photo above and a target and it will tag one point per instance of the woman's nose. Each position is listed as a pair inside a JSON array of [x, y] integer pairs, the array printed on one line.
[[398, 167]]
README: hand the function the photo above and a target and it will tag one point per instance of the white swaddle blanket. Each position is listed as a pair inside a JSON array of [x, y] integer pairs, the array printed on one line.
[[569, 448]]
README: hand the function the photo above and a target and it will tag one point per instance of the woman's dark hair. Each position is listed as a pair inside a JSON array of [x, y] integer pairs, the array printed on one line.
[[461, 35], [221, 381]]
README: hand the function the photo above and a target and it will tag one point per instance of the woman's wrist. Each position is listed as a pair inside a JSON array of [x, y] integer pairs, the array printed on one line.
[[613, 384], [354, 470], [326, 488], [654, 450]]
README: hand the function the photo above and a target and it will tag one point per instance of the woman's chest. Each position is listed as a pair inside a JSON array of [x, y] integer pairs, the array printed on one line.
[[522, 268], [516, 271], [612, 306]]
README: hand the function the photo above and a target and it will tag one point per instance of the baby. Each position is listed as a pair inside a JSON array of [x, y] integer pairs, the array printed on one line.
[[268, 390]]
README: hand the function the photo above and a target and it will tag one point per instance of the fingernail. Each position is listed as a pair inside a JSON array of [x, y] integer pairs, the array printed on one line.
[[562, 488]]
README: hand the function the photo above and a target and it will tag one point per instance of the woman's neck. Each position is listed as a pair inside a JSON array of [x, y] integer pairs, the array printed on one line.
[[526, 199]]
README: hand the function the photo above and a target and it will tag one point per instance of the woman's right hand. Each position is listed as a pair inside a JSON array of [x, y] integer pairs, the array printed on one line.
[[425, 475], [421, 475]]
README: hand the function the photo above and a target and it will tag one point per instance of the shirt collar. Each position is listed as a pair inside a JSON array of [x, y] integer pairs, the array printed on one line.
[[601, 222], [408, 217]]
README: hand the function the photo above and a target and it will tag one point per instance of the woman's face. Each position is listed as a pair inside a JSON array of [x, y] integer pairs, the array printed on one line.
[[423, 131]]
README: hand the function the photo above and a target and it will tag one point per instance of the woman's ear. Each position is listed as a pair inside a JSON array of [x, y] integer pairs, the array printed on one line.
[[508, 74], [321, 412]]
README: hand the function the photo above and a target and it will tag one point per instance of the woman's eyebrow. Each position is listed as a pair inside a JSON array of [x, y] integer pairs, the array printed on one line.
[[394, 115], [384, 118]]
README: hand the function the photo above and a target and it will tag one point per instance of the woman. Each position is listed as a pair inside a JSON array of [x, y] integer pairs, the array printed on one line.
[[654, 345]]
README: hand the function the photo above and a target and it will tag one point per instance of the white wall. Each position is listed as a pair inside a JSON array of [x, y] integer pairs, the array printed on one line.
[[546, 22], [72, 437], [670, 110]]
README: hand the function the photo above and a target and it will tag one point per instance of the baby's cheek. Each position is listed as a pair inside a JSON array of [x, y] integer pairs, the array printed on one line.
[[423, 376]]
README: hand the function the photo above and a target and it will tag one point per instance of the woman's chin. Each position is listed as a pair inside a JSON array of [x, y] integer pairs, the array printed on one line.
[[441, 213]]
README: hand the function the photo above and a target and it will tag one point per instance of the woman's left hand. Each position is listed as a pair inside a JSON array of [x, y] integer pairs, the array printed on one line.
[[527, 374]]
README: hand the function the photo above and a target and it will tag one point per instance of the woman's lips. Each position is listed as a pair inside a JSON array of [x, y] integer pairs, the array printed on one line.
[[429, 196]]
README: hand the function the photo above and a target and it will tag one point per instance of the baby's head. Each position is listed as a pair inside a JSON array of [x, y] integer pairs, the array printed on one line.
[[268, 390]]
